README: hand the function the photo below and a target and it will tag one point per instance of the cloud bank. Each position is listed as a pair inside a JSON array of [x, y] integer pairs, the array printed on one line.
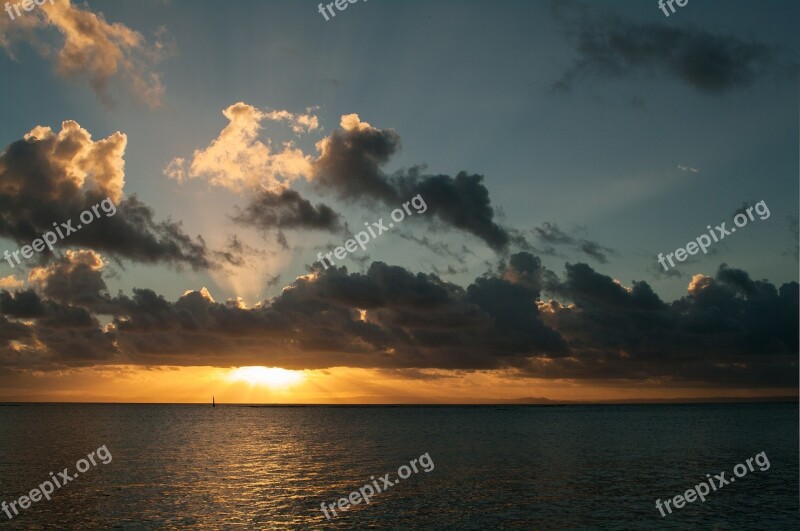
[[729, 330]]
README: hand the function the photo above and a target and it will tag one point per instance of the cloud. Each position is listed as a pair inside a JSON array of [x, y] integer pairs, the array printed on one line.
[[451, 270], [351, 162], [74, 279], [51, 335], [236, 253], [78, 159], [742, 209], [12, 335], [49, 178], [91, 48], [610, 47], [287, 210], [595, 250], [729, 330], [461, 202], [22, 305], [300, 123], [658, 271], [552, 236], [351, 159], [11, 283], [176, 169], [387, 317], [239, 161], [527, 270]]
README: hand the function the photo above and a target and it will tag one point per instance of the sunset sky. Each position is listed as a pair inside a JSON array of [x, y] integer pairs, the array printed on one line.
[[559, 147]]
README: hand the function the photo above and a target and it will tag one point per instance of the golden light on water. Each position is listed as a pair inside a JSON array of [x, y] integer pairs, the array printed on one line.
[[273, 377]]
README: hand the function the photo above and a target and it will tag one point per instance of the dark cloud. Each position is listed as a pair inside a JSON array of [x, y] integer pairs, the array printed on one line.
[[286, 209], [52, 335], [743, 208], [24, 304], [710, 63], [280, 237], [729, 330], [48, 179], [10, 331], [415, 374], [658, 271], [551, 235], [595, 250], [238, 254], [352, 161], [75, 279], [232, 253], [449, 271], [352, 158], [527, 270], [134, 234], [387, 317], [462, 202]]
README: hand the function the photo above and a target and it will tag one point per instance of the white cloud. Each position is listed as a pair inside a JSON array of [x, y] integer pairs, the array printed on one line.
[[91, 48], [83, 160], [687, 168], [238, 160], [11, 283], [300, 123]]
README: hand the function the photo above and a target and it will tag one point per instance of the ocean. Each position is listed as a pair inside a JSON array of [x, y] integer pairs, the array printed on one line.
[[491, 467]]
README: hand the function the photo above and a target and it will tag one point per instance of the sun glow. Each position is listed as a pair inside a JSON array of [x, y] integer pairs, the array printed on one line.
[[273, 377]]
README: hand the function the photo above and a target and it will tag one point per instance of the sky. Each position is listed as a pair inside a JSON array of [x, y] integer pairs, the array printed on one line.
[[551, 156]]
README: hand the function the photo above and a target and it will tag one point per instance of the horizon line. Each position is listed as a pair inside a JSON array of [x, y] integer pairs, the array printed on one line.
[[498, 402]]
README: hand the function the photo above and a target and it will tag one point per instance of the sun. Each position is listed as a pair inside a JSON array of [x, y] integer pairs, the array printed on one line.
[[273, 377]]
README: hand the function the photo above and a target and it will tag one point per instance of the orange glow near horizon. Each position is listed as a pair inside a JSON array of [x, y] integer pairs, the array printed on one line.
[[340, 385]]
